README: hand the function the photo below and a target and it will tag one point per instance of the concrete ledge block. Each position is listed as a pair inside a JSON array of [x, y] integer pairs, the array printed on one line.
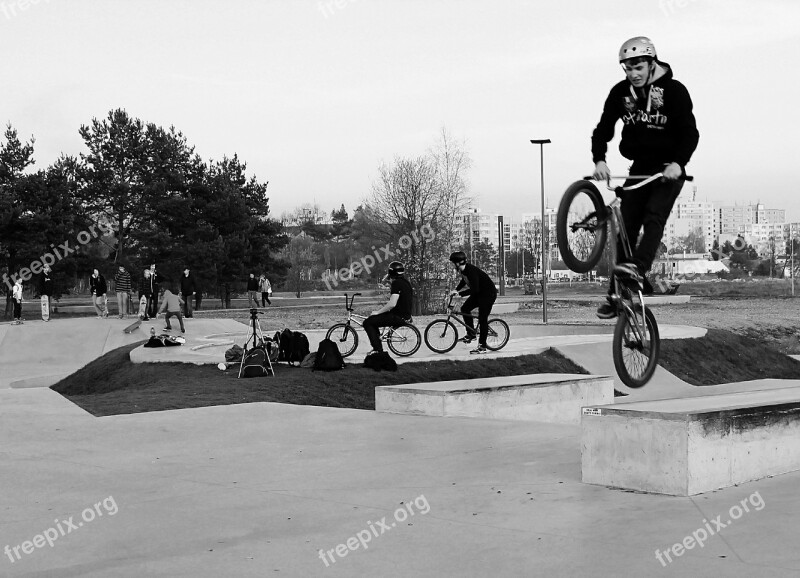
[[688, 446], [546, 397]]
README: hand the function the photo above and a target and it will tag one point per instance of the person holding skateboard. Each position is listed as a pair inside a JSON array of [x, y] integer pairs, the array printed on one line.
[[46, 291], [98, 285], [145, 296], [154, 280]]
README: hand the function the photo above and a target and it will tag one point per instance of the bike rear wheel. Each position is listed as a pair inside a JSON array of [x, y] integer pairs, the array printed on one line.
[[581, 226], [404, 340], [441, 336], [635, 360], [498, 334], [345, 338]]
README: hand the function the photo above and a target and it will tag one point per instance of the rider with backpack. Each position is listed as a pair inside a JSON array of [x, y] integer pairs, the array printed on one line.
[[398, 309]]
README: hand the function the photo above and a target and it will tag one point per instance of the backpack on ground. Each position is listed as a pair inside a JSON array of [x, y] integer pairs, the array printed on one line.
[[299, 347], [379, 361], [255, 363], [284, 339], [328, 358]]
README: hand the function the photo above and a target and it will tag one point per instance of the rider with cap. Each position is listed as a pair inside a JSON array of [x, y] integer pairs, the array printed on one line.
[[482, 294], [659, 135], [398, 309]]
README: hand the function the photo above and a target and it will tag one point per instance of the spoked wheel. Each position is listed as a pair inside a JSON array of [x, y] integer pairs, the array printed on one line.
[[404, 340], [498, 334], [636, 346], [441, 336], [581, 226], [345, 338]]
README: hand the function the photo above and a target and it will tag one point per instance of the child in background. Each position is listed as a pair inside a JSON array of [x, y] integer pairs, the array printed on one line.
[[16, 295]]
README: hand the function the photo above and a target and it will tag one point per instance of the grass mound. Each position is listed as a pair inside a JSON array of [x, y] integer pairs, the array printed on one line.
[[112, 385], [724, 357]]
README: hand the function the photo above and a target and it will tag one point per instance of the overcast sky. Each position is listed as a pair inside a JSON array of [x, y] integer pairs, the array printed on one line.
[[314, 95]]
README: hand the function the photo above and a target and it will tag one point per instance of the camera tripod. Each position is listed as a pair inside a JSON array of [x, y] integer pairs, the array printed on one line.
[[255, 340]]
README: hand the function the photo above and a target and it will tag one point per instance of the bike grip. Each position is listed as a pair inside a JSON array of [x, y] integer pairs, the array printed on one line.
[[354, 294], [689, 178]]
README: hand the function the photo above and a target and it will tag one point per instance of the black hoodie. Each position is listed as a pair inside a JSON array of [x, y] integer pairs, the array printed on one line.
[[658, 123]]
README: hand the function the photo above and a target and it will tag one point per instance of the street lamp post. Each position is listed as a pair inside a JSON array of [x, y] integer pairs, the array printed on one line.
[[541, 143]]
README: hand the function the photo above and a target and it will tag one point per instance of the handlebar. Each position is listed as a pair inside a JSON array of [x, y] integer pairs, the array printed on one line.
[[349, 304], [645, 180]]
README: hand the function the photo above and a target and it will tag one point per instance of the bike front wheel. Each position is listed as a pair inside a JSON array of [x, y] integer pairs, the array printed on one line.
[[404, 340], [498, 334], [636, 346], [441, 336], [345, 338], [581, 226]]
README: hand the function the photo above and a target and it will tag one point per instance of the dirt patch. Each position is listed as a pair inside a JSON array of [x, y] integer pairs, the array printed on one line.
[[725, 357], [113, 385]]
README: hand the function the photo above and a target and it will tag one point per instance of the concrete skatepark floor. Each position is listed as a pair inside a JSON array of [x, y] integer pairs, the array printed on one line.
[[259, 488]]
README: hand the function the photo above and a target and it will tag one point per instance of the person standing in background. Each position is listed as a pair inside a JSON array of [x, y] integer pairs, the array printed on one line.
[[122, 285], [98, 285], [187, 292], [266, 290]]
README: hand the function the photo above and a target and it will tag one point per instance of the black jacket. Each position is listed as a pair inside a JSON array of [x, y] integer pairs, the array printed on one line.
[[188, 286], [98, 285], [46, 284], [658, 125], [476, 282]]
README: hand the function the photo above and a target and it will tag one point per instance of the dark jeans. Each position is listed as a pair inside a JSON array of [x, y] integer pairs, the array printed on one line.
[[265, 299], [198, 300], [187, 305], [152, 305], [373, 324], [484, 305], [647, 208], [179, 315]]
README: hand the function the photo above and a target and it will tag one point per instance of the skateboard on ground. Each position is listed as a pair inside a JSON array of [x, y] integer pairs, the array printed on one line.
[[45, 308], [133, 326], [142, 307]]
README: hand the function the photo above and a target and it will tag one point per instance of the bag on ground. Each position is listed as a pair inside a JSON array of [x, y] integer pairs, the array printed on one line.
[[380, 361], [328, 357], [255, 363], [234, 354], [309, 360]]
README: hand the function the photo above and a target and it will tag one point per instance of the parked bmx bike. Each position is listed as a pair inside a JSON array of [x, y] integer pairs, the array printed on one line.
[[582, 226], [441, 335]]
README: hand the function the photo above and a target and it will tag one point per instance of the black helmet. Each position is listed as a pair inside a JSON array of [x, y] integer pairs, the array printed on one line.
[[458, 258], [396, 268]]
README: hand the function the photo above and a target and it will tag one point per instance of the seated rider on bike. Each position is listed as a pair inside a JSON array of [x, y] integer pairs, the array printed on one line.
[[659, 135], [396, 312], [482, 294]]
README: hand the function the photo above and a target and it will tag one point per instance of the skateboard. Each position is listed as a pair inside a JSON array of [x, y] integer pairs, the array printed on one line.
[[45, 308], [133, 326], [142, 307]]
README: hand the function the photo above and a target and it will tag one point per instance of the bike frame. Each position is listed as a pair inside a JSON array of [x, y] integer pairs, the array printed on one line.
[[354, 318], [452, 314], [614, 210]]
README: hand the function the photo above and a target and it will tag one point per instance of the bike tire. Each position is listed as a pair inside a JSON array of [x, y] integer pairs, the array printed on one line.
[[635, 364], [498, 341], [441, 336], [581, 250], [404, 340], [345, 338]]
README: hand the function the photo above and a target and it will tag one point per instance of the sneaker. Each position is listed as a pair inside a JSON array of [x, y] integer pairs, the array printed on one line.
[[629, 270], [468, 338], [167, 328], [183, 331], [607, 310], [480, 349]]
